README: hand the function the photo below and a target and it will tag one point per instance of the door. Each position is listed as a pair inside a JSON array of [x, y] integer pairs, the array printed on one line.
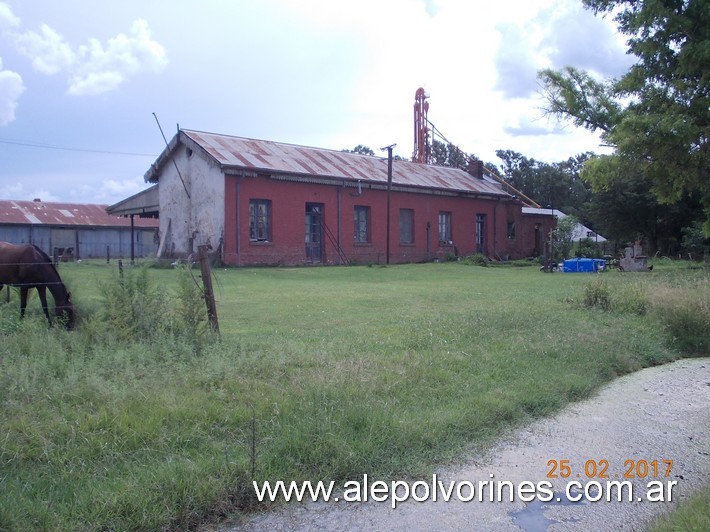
[[314, 232], [481, 233]]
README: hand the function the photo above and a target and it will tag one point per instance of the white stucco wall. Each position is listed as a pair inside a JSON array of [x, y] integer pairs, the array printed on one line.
[[201, 216]]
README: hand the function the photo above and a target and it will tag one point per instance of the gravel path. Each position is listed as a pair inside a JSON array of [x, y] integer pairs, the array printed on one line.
[[660, 413]]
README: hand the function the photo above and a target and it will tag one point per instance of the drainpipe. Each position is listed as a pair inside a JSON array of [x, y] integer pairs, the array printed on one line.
[[239, 227], [428, 252], [133, 250], [389, 190], [495, 227], [337, 228]]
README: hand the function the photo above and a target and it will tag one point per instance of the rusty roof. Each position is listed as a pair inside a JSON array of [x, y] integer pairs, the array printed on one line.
[[64, 214], [234, 153]]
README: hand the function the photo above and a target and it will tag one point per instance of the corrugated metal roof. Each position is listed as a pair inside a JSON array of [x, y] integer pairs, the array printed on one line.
[[146, 202], [64, 214], [275, 157]]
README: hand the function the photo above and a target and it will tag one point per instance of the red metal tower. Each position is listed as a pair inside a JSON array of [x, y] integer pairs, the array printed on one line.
[[421, 128]]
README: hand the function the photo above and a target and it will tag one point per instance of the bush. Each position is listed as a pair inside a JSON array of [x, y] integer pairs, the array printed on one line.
[[135, 310], [476, 260], [633, 299], [684, 312], [597, 295]]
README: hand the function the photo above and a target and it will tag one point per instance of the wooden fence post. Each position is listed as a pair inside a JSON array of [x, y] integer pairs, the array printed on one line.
[[207, 286]]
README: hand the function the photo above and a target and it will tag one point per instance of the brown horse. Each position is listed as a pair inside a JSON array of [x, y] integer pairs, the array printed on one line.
[[26, 266]]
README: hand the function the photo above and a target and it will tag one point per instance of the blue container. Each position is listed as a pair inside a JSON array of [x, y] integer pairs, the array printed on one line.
[[583, 265]]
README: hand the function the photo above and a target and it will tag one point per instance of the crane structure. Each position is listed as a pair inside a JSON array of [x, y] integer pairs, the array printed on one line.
[[422, 151], [422, 147]]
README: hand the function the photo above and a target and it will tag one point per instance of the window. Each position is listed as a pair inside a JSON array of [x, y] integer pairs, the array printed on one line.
[[481, 233], [406, 226], [445, 227], [511, 231], [362, 224], [259, 220]]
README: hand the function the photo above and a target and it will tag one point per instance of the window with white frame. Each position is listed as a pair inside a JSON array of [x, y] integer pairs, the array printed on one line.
[[259, 220], [445, 227], [362, 224]]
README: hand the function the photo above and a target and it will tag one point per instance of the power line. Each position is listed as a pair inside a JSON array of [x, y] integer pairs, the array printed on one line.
[[67, 148]]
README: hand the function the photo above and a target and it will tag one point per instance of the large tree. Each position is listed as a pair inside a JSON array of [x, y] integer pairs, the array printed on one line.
[[555, 185], [656, 116], [625, 209]]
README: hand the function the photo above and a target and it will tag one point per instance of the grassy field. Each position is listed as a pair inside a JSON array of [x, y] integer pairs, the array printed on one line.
[[690, 516], [141, 419]]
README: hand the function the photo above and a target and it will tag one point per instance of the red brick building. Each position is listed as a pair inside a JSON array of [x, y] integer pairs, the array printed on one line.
[[268, 203]]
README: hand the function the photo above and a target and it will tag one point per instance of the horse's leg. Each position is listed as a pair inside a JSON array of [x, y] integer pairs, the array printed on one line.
[[23, 300], [42, 291]]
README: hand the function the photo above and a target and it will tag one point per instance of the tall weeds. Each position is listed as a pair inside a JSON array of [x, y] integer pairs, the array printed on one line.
[[684, 313], [141, 420], [136, 310], [681, 309]]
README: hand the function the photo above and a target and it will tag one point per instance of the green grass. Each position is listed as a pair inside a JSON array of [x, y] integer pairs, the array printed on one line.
[[690, 516], [328, 373]]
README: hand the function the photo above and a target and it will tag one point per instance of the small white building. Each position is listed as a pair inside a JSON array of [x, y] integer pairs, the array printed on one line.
[[580, 231]]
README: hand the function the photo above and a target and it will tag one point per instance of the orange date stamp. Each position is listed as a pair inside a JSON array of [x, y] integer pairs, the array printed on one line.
[[600, 469]]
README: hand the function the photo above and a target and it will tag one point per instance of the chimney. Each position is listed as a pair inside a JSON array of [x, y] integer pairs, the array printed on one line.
[[475, 168]]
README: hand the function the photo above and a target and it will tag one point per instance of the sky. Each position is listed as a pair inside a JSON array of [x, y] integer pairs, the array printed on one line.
[[82, 82]]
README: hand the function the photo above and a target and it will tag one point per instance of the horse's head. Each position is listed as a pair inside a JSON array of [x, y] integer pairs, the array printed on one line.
[[65, 312]]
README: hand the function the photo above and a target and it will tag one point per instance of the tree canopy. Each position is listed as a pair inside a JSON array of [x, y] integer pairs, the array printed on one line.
[[657, 115], [361, 149]]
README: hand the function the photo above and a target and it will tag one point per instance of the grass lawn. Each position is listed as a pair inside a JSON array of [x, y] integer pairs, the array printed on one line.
[[320, 374]]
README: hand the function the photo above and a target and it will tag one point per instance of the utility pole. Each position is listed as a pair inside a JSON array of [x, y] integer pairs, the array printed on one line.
[[389, 190]]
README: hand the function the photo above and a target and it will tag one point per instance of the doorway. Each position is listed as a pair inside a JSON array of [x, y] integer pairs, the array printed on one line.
[[314, 232], [481, 233]]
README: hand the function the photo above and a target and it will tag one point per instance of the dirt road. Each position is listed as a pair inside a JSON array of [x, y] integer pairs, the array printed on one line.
[[630, 427]]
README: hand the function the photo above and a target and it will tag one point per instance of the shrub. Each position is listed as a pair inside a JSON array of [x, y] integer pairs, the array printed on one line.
[[634, 299], [684, 312], [136, 310], [597, 295], [190, 312], [476, 260], [133, 308]]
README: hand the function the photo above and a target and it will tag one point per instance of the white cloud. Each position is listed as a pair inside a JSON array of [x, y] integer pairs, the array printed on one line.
[[123, 187], [15, 191], [92, 68], [7, 17], [93, 83], [47, 50], [18, 192], [103, 68], [11, 87], [43, 194], [108, 191], [577, 37], [516, 64]]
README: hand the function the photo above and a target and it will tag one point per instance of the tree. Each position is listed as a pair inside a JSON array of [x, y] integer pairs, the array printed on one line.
[[625, 209], [555, 185], [657, 115], [362, 150], [563, 236], [447, 154]]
